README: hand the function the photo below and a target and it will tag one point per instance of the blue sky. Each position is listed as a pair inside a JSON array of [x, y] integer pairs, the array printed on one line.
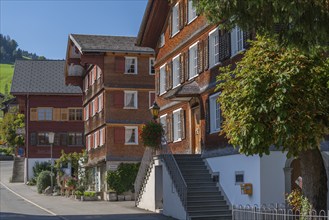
[[42, 26]]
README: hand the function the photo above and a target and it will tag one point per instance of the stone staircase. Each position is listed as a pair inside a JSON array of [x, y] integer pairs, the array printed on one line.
[[18, 170], [204, 200]]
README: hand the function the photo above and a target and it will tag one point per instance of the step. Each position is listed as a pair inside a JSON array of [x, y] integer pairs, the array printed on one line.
[[203, 189], [194, 184], [210, 213], [189, 162], [203, 193], [205, 176], [207, 207], [206, 203], [215, 197], [214, 217], [191, 167]]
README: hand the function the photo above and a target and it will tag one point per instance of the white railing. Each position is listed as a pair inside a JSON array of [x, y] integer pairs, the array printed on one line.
[[275, 212]]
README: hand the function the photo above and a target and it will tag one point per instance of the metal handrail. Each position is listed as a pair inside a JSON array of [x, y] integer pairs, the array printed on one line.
[[174, 172], [144, 168]]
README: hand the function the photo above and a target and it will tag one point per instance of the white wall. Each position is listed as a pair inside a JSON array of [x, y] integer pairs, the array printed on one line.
[[172, 205], [227, 166], [272, 178], [148, 197], [31, 163]]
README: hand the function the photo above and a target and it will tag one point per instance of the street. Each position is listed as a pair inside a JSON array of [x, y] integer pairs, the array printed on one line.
[[18, 201]]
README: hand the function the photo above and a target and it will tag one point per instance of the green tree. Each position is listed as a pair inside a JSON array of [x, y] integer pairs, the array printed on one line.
[[8, 126], [299, 23], [278, 96]]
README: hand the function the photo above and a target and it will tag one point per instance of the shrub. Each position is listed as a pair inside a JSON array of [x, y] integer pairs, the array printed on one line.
[[299, 202], [6, 151], [78, 193], [43, 181], [72, 182], [151, 134], [123, 178], [89, 194], [41, 166]]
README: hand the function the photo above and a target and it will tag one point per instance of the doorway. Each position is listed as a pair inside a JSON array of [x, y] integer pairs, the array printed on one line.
[[158, 187], [196, 131]]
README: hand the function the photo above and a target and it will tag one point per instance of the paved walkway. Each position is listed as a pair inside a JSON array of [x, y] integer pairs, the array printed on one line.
[[69, 208]]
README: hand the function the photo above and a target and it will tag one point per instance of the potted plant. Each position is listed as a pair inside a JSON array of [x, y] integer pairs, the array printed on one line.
[[89, 196], [78, 194], [151, 134]]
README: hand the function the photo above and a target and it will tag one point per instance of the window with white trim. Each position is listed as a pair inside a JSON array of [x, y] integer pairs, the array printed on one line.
[[100, 103], [214, 111], [213, 47], [163, 121], [86, 112], [175, 71], [151, 66], [131, 135], [101, 137], [75, 114], [175, 20], [99, 71], [88, 142], [130, 99], [45, 114], [85, 84], [162, 79], [162, 40], [96, 139], [193, 61], [177, 125], [93, 107], [191, 11], [131, 65], [236, 40]]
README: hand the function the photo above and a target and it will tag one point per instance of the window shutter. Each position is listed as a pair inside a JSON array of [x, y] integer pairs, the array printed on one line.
[[103, 136], [157, 82], [206, 53], [200, 57], [246, 37], [169, 128], [224, 46], [170, 24], [186, 68], [119, 64], [56, 114], [33, 114], [181, 14], [96, 104], [33, 139], [118, 99], [169, 76], [186, 11], [207, 116], [64, 114], [181, 68], [119, 135], [182, 119]]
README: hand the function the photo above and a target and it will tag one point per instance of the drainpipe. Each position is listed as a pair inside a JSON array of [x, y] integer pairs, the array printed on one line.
[[27, 139]]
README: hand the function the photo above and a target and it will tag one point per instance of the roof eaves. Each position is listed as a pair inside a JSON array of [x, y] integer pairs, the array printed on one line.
[[144, 22]]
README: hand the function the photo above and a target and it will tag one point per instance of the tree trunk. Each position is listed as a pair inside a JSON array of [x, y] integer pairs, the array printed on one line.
[[314, 178]]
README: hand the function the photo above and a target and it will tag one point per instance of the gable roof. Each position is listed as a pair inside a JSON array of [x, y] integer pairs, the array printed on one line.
[[41, 76], [99, 43]]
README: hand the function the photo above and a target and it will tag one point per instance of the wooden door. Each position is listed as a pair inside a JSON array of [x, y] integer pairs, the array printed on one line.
[[196, 131]]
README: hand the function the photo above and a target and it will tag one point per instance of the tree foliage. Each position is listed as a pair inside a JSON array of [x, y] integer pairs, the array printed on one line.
[[8, 126], [275, 96], [299, 23]]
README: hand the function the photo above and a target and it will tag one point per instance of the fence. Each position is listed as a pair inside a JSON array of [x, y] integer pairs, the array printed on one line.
[[274, 212]]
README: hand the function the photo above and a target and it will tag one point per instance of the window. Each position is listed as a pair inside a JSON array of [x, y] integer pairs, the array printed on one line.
[[239, 177], [100, 102], [98, 73], [213, 47], [175, 20], [75, 139], [131, 65], [191, 11], [162, 40], [88, 142], [101, 136], [86, 83], [193, 61], [60, 139], [75, 114], [45, 114], [86, 112], [130, 99], [33, 139], [214, 111], [93, 109], [151, 66], [175, 71], [43, 138], [131, 135], [162, 79], [177, 125], [151, 98], [236, 40], [163, 121], [96, 139]]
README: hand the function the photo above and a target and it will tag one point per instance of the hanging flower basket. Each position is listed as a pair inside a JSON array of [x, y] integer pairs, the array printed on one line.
[[151, 134]]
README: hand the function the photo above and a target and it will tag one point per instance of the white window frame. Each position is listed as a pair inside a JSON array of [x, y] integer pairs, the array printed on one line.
[[86, 85], [176, 116], [100, 102], [162, 40], [135, 65], [191, 12], [126, 93], [98, 73], [193, 60], [95, 139], [101, 134], [150, 102], [213, 48], [151, 59], [136, 135], [87, 112], [162, 79], [163, 121], [44, 118], [236, 41], [89, 142], [214, 112], [175, 20], [93, 109], [176, 71]]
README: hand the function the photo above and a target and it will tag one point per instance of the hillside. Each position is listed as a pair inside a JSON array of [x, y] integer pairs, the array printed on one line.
[[6, 76]]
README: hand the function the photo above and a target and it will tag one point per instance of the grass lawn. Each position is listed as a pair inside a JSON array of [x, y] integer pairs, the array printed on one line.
[[6, 76]]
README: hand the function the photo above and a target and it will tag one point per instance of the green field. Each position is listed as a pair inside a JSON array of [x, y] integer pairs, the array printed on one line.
[[6, 76]]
